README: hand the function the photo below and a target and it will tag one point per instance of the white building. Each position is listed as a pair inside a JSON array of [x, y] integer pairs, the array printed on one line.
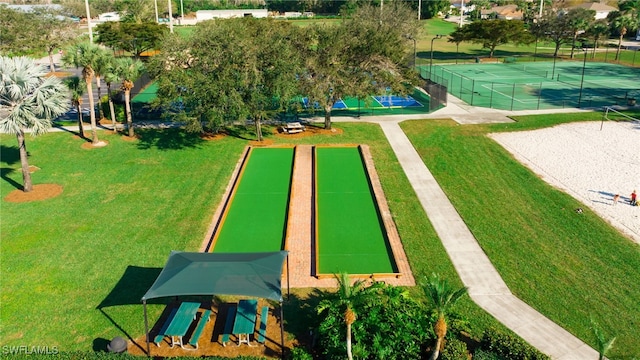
[[203, 15], [602, 10]]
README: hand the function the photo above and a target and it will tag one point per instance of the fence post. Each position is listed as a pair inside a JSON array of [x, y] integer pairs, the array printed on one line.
[[473, 86], [539, 95], [513, 93]]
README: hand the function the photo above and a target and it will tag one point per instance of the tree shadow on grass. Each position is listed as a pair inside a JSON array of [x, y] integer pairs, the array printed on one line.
[[10, 154], [301, 318], [167, 139], [133, 284]]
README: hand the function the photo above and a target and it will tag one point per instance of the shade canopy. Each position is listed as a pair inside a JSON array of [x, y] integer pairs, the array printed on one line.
[[244, 274]]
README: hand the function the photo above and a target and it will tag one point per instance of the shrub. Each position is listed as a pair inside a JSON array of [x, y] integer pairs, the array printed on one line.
[[454, 349], [509, 346], [394, 328], [486, 355], [79, 355], [298, 353]]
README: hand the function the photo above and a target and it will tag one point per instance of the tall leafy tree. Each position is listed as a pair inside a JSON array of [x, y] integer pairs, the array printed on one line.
[[228, 70], [372, 57], [77, 88], [85, 55], [493, 33], [622, 23], [55, 32], [554, 27], [104, 62], [442, 297], [579, 21], [597, 30], [111, 77], [128, 70], [349, 297], [135, 38], [432, 8], [17, 31], [29, 100]]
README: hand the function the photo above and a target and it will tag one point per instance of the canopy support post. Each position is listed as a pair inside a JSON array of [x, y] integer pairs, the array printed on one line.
[[146, 326], [282, 328], [288, 283]]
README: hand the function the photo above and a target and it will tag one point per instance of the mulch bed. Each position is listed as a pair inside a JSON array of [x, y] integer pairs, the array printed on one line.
[[209, 343]]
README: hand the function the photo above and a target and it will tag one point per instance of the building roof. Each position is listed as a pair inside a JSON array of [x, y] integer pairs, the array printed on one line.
[[596, 6]]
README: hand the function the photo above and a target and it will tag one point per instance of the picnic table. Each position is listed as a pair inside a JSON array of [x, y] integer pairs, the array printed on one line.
[[181, 322], [245, 320], [293, 127]]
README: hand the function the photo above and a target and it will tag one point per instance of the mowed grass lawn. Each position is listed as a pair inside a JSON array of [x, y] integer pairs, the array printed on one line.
[[124, 208], [129, 204], [568, 266]]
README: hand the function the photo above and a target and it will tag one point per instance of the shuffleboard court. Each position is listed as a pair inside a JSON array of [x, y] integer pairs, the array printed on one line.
[[350, 235], [257, 215]]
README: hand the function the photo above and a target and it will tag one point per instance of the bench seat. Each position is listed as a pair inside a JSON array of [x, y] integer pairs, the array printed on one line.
[[228, 325], [158, 339], [201, 324], [262, 332]]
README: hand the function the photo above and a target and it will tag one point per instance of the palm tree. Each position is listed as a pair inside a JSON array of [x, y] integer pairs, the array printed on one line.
[[443, 297], [128, 70], [603, 345], [29, 99], [111, 77], [102, 64], [348, 298], [623, 23], [598, 30], [77, 89], [85, 55]]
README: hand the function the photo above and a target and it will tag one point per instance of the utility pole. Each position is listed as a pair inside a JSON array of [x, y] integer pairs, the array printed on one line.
[[181, 13], [170, 18], [419, 9], [541, 3], [155, 3], [86, 4], [461, 11]]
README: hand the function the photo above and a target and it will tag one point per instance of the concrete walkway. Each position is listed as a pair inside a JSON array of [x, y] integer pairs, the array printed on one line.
[[486, 287]]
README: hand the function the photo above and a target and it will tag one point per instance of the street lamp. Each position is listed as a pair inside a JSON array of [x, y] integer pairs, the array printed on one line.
[[584, 65], [439, 36]]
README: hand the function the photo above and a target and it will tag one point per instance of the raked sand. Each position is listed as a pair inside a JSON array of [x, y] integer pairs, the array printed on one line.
[[590, 164]]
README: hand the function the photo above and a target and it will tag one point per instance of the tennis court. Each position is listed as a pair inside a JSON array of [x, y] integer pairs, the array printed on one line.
[[256, 217], [350, 236], [540, 85]]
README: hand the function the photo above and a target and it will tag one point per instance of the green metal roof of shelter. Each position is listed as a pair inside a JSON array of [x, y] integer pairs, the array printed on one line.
[[244, 274]]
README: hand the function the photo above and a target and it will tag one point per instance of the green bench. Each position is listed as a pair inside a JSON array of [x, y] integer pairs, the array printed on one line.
[[158, 339], [228, 325], [263, 324], [201, 324]]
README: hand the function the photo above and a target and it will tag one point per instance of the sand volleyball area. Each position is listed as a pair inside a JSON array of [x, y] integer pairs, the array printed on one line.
[[591, 161]]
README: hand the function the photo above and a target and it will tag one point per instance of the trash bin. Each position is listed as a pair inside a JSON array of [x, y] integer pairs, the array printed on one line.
[[117, 346], [477, 60]]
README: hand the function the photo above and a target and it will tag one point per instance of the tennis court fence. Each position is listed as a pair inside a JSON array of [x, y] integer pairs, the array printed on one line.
[[561, 91], [437, 93]]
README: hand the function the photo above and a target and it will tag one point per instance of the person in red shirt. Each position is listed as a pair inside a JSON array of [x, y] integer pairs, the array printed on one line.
[[633, 198]]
